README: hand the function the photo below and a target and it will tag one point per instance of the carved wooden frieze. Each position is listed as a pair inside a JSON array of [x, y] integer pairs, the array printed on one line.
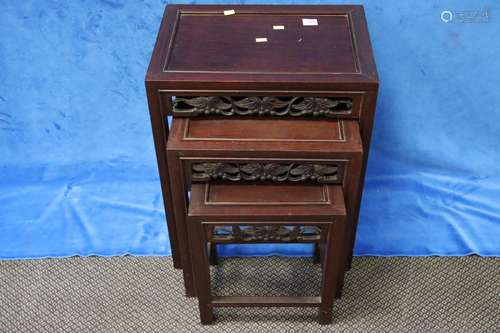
[[276, 172], [265, 233], [261, 106]]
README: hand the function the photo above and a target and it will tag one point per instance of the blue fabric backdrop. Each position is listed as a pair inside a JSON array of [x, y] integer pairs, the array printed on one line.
[[77, 167]]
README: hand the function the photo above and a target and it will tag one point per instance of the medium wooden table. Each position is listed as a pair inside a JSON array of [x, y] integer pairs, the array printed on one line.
[[261, 63]]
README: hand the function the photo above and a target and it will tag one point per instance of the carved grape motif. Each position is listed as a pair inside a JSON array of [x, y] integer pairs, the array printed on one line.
[[261, 106]]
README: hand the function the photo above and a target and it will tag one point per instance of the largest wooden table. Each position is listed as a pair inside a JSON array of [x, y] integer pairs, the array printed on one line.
[[259, 51]]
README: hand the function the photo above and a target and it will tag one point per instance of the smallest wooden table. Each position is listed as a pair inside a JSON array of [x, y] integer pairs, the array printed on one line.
[[267, 213]]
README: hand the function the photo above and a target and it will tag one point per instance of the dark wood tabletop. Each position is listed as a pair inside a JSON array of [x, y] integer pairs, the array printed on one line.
[[199, 47]]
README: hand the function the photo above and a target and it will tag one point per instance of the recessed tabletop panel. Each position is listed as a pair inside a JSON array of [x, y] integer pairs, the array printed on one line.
[[262, 43], [270, 130], [272, 136], [318, 48]]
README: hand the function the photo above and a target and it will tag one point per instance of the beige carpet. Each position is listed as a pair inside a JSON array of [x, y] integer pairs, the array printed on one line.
[[145, 294]]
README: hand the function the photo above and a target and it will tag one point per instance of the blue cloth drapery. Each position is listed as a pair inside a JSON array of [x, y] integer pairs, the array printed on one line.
[[77, 167]]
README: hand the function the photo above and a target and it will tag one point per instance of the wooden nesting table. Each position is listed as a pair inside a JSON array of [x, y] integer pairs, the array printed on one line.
[[267, 94]]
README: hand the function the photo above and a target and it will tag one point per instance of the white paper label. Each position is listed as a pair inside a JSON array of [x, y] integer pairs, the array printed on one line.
[[229, 12], [261, 40], [309, 22], [278, 27]]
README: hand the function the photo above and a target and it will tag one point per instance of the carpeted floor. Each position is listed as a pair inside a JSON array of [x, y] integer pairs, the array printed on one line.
[[145, 294]]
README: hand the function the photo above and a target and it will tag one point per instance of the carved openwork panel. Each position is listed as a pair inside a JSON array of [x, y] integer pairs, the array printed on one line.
[[276, 172], [264, 233], [262, 106]]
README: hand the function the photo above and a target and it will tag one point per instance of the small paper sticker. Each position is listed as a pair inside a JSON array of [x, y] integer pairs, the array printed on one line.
[[261, 39], [278, 27], [229, 12], [309, 22]]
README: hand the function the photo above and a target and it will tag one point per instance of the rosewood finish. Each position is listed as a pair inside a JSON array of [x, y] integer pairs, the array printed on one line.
[[266, 233], [280, 210], [256, 142], [306, 97], [276, 172], [261, 106]]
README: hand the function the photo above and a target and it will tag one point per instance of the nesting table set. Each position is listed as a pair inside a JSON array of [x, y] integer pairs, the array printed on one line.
[[272, 110]]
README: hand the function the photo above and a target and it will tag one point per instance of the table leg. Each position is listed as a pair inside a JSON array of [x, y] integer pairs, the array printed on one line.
[[201, 269], [333, 264], [352, 190], [180, 205], [160, 135]]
